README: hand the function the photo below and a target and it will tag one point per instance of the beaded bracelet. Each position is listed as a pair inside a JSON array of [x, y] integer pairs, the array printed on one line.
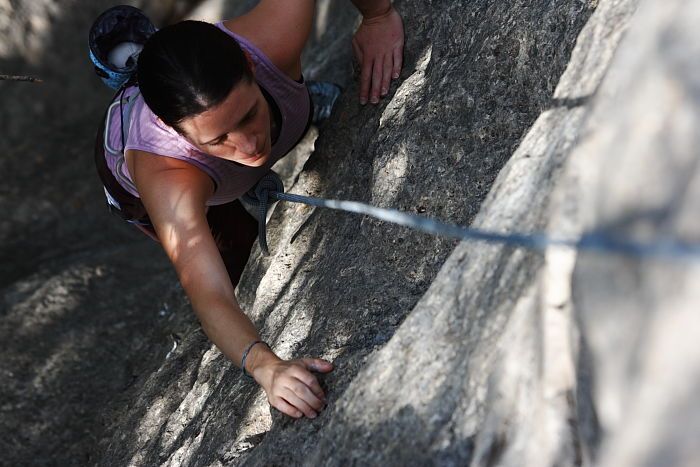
[[245, 355]]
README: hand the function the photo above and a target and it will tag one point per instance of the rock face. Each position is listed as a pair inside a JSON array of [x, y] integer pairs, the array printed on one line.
[[636, 174], [477, 75], [567, 117], [73, 331]]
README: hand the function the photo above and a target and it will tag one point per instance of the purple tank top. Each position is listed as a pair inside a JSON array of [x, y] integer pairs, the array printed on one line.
[[147, 133]]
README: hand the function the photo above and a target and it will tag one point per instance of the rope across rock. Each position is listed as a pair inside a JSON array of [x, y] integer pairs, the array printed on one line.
[[271, 187]]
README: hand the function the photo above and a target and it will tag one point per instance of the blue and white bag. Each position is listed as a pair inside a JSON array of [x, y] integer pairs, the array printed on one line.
[[116, 39]]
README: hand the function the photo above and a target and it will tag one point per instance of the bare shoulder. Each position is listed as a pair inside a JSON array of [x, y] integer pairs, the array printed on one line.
[[174, 194], [157, 176], [280, 29]]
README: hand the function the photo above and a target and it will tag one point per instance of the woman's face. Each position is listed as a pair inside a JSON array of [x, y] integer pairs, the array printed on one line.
[[238, 129]]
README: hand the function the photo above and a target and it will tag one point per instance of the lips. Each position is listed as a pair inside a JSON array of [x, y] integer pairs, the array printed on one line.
[[257, 155], [260, 153], [252, 158]]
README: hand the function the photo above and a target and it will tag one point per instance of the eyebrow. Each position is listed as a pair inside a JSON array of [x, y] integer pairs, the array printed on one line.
[[245, 117]]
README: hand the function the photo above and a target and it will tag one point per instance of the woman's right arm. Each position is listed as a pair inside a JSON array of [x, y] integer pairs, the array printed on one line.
[[174, 194]]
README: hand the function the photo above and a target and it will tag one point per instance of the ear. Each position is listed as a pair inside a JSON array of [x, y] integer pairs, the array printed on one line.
[[251, 64]]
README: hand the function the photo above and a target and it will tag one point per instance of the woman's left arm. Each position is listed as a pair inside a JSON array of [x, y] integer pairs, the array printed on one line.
[[280, 28], [378, 46]]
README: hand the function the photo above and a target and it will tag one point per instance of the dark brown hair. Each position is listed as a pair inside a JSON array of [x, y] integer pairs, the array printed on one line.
[[188, 68]]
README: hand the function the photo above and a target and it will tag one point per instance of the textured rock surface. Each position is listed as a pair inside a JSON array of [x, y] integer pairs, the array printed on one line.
[[637, 174], [87, 305], [477, 75], [445, 354], [482, 369]]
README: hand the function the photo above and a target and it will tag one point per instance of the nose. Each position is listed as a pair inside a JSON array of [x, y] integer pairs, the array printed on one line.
[[247, 143]]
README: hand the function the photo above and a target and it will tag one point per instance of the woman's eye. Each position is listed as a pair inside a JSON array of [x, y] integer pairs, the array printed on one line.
[[250, 116], [218, 141]]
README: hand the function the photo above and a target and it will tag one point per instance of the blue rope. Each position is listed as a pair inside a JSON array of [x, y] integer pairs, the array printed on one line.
[[592, 241], [259, 197]]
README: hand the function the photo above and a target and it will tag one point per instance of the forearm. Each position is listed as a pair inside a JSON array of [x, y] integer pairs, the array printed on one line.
[[372, 8], [289, 385], [222, 319], [175, 198], [230, 329]]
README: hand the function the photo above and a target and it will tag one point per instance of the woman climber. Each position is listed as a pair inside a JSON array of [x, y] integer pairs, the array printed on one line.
[[211, 109]]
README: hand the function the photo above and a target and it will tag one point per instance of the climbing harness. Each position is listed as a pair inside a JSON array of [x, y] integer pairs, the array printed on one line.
[[270, 186]]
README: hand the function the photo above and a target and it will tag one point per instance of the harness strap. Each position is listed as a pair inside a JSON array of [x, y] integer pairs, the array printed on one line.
[[120, 202]]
